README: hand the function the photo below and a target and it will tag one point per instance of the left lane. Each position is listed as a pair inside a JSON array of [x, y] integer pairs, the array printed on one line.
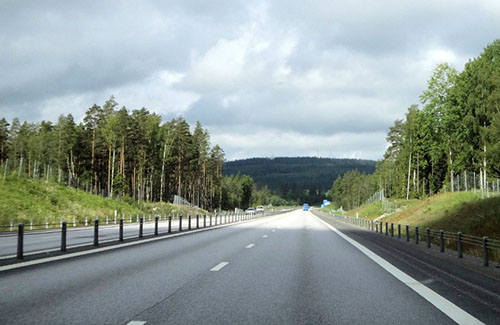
[[42, 241], [112, 287]]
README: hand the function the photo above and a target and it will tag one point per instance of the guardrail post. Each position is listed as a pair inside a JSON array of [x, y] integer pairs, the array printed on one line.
[[428, 231], [63, 236], [141, 225], [216, 219], [86, 221], [386, 228], [407, 228], [416, 235], [376, 226], [485, 251], [392, 229], [156, 225], [169, 224], [441, 241], [197, 221], [46, 224], [189, 222], [20, 241], [399, 231], [180, 223], [204, 221], [459, 245], [12, 225], [96, 232], [120, 233], [210, 217]]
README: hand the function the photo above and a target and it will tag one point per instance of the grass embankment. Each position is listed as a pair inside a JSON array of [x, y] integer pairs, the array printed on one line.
[[459, 211], [22, 200]]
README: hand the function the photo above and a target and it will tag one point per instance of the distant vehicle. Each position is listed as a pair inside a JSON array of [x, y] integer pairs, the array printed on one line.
[[250, 211], [305, 207], [259, 209]]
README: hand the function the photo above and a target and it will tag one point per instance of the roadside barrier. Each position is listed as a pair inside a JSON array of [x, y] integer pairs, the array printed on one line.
[[484, 247], [43, 229]]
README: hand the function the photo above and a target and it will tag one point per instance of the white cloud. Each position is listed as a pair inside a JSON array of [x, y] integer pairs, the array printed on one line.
[[267, 78]]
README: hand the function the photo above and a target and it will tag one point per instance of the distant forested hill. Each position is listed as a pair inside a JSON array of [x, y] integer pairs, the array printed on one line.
[[298, 178]]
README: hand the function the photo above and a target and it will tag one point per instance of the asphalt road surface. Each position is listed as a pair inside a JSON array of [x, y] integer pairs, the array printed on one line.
[[42, 240], [286, 269]]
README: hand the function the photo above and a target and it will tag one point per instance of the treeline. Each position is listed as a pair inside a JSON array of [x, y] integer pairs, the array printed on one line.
[[351, 190], [451, 142], [115, 152], [240, 191], [297, 179]]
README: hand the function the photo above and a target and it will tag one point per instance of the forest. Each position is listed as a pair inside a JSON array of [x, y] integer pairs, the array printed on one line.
[[451, 142], [117, 153], [296, 179]]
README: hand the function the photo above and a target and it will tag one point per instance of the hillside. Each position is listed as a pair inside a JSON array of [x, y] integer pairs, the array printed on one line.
[[297, 178], [24, 199], [458, 211]]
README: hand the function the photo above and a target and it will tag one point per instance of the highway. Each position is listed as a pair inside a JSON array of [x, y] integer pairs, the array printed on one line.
[[50, 240], [286, 269]]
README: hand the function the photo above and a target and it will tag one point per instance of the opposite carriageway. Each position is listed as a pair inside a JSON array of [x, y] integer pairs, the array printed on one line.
[[17, 246]]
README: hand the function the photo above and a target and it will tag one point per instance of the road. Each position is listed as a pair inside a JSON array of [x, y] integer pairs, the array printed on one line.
[[41, 241], [285, 269]]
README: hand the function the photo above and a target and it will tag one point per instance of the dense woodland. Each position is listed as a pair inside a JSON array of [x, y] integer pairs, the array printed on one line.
[[296, 179], [451, 142], [117, 153]]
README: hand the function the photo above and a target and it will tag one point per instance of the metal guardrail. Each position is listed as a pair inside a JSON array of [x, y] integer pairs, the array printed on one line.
[[488, 249], [193, 223]]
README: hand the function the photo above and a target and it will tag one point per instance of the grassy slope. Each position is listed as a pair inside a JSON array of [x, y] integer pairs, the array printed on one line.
[[24, 199], [459, 211], [462, 211]]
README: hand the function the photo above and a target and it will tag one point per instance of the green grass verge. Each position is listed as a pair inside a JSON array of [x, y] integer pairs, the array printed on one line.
[[22, 200]]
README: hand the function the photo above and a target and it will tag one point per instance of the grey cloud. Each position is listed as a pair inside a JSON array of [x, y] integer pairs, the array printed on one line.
[[321, 70]]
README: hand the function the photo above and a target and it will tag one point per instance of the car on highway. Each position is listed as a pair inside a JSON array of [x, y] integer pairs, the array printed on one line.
[[305, 207], [259, 209], [250, 211]]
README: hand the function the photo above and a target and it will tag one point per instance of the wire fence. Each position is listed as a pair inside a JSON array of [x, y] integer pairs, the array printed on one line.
[[483, 247]]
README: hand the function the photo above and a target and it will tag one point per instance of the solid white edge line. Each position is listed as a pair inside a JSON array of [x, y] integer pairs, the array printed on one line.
[[219, 266], [250, 245], [97, 250], [451, 310], [136, 322], [102, 249]]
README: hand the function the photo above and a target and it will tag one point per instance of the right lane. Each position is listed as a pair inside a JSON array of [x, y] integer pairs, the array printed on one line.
[[298, 271]]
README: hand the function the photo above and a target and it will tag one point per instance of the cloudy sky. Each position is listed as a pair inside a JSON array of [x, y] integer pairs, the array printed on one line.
[[267, 78]]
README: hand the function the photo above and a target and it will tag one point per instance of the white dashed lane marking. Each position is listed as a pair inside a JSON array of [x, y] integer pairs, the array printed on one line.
[[219, 266], [136, 322], [250, 246], [265, 236]]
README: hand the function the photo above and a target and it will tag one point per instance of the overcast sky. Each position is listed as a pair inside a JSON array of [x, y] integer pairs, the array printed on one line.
[[267, 78]]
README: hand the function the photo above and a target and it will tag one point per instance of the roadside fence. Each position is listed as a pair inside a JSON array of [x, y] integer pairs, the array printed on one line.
[[158, 224], [483, 247]]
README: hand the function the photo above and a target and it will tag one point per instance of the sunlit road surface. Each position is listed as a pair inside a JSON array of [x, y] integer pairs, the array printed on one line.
[[40, 241], [286, 269]]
